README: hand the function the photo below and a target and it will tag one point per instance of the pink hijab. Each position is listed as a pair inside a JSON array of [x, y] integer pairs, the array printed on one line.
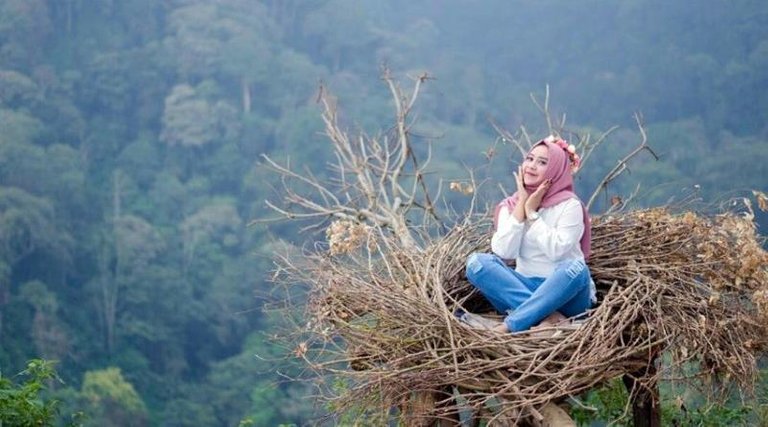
[[559, 171]]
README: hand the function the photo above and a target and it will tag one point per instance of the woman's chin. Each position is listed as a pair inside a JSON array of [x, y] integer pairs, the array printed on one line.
[[533, 182]]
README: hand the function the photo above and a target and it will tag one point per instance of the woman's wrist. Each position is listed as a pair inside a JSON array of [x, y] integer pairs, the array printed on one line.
[[519, 212]]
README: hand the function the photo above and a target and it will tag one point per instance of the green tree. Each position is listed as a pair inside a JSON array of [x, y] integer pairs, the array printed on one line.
[[24, 26], [216, 222], [23, 404], [16, 88], [51, 338], [18, 128], [245, 386], [329, 27], [188, 120], [127, 248], [27, 227], [111, 400]]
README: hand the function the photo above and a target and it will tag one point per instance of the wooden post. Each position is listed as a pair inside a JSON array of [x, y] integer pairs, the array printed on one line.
[[646, 409], [425, 409]]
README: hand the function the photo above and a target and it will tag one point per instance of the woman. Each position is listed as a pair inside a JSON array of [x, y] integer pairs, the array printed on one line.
[[545, 228]]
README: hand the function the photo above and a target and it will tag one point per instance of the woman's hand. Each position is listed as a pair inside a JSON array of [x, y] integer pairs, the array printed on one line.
[[534, 200], [522, 195]]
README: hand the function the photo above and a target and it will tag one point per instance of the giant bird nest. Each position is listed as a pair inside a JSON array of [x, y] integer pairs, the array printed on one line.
[[691, 288]]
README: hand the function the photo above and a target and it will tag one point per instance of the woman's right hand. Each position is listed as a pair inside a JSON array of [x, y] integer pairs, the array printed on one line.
[[522, 195]]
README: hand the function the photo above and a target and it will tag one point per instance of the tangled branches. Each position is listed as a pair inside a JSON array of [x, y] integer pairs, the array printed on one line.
[[689, 286]]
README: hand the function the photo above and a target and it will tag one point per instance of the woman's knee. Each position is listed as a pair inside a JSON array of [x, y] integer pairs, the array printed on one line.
[[477, 261]]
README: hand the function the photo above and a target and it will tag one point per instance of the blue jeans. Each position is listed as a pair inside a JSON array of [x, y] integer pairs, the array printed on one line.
[[529, 300]]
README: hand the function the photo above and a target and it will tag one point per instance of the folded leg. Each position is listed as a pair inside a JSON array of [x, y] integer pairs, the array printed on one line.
[[504, 287], [566, 291]]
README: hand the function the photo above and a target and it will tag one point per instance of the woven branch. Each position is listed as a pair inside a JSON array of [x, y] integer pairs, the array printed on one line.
[[691, 287]]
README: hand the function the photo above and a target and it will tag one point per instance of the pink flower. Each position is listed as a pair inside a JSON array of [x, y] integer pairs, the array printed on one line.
[[568, 148], [576, 162]]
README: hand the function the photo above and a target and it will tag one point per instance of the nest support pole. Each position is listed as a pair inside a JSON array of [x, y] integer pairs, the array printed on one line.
[[643, 389]]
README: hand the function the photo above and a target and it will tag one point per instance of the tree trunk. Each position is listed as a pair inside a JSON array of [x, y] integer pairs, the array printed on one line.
[[425, 409], [111, 274], [4, 297], [246, 90], [646, 411]]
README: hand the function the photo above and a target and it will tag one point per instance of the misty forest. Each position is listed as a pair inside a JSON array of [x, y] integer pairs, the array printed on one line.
[[141, 147]]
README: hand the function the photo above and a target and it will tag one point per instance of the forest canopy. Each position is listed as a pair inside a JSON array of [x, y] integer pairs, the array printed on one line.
[[130, 168]]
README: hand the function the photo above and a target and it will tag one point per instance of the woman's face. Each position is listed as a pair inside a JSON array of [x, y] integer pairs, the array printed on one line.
[[535, 165]]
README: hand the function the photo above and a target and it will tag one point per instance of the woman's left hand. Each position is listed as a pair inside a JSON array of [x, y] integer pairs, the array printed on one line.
[[534, 200]]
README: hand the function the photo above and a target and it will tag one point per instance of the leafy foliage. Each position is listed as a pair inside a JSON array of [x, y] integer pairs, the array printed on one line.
[[22, 404], [112, 400], [606, 403]]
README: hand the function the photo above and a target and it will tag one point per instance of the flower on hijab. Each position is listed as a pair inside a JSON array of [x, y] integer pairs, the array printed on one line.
[[575, 162], [569, 148]]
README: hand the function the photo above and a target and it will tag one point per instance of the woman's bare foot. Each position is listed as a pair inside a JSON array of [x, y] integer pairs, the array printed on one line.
[[553, 320], [543, 329], [502, 328]]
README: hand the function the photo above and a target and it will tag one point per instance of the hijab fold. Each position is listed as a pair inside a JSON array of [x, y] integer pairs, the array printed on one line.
[[559, 171]]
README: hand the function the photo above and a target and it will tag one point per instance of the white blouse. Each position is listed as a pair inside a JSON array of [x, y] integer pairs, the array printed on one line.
[[538, 246]]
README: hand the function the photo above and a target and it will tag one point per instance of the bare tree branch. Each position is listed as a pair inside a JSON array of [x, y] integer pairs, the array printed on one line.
[[377, 180], [623, 164]]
